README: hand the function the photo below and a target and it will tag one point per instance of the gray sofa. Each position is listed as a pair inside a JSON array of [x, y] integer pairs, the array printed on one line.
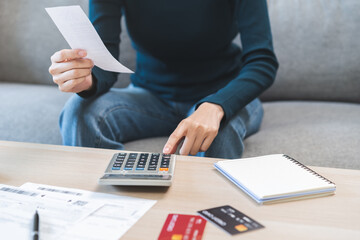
[[312, 112]]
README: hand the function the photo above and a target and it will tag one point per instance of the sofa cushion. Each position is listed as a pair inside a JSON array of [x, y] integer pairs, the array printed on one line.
[[317, 44], [315, 133], [30, 113]]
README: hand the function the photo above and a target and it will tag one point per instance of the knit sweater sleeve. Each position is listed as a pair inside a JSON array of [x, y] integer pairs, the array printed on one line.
[[259, 63]]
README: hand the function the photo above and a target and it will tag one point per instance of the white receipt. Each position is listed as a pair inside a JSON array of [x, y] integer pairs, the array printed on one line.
[[78, 31]]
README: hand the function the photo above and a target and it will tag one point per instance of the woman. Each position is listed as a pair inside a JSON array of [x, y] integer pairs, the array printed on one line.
[[191, 82]]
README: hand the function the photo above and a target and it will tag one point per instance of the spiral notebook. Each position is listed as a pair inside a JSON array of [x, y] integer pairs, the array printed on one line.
[[275, 178]]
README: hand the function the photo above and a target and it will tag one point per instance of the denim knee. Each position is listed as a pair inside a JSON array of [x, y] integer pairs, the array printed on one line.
[[229, 141], [74, 122]]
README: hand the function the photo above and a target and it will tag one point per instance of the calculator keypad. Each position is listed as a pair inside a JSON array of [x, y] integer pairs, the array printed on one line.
[[141, 162]]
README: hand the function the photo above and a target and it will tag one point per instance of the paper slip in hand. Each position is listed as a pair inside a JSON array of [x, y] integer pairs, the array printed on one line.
[[78, 31]]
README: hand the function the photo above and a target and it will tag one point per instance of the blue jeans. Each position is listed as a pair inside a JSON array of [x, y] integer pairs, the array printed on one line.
[[123, 115]]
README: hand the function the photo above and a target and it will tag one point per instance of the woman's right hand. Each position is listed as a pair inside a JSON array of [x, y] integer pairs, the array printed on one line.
[[71, 71]]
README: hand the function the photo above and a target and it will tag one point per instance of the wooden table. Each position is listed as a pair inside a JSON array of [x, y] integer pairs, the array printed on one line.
[[196, 186]]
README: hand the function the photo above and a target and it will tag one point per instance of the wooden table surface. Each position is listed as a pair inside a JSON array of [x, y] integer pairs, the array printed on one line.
[[196, 186]]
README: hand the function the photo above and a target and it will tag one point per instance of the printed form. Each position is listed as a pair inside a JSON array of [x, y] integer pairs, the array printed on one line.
[[111, 221], [78, 31], [67, 213], [17, 208]]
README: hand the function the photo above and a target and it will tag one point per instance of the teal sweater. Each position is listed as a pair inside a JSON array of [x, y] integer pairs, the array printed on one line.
[[185, 50]]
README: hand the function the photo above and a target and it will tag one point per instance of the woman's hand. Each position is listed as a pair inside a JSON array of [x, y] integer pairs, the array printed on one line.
[[199, 130], [71, 71]]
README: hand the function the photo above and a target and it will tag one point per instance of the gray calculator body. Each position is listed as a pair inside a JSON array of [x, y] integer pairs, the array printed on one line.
[[139, 169]]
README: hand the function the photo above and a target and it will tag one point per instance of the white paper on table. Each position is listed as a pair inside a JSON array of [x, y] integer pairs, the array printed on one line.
[[78, 31], [17, 208], [111, 221]]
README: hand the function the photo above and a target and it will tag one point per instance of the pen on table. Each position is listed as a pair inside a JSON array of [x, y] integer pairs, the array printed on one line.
[[35, 232]]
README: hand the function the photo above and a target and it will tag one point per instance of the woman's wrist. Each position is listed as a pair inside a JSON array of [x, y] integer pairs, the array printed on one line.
[[214, 108]]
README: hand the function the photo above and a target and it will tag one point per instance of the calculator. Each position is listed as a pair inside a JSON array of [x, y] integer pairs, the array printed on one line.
[[139, 169]]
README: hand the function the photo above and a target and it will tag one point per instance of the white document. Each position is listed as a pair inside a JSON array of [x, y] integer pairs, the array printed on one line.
[[111, 221], [17, 208], [78, 31]]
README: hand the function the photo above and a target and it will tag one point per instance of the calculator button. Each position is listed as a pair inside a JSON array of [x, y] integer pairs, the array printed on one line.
[[164, 169], [152, 169], [115, 168], [139, 169]]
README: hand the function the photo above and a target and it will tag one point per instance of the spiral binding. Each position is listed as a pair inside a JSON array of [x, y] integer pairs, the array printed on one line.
[[308, 169]]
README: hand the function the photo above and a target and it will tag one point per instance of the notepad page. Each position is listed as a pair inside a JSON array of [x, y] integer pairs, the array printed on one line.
[[272, 176]]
